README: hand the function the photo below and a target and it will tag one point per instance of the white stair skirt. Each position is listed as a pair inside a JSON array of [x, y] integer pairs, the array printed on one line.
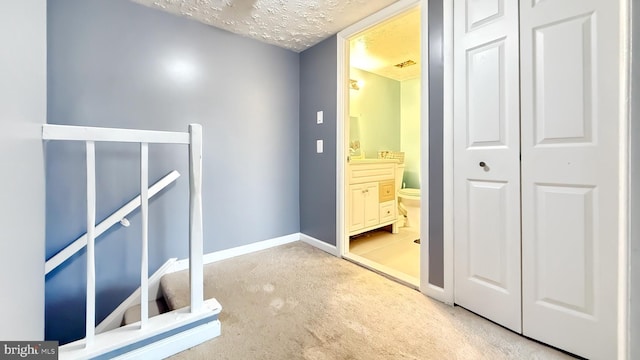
[[162, 336]]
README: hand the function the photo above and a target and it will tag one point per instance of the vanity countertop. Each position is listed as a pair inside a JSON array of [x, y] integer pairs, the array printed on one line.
[[373, 161]]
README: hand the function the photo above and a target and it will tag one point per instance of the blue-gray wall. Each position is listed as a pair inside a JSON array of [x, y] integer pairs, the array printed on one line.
[[318, 84], [23, 110], [115, 63], [635, 186], [436, 144]]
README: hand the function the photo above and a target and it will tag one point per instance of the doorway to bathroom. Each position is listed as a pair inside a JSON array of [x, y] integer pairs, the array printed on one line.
[[380, 208]]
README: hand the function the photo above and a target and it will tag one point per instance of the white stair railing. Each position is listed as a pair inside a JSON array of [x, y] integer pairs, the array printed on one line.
[[90, 135], [91, 237], [144, 211]]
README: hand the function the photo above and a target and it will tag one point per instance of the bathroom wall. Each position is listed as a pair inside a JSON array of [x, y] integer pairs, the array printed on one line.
[[410, 131], [23, 110], [115, 63], [377, 107], [318, 84], [388, 118]]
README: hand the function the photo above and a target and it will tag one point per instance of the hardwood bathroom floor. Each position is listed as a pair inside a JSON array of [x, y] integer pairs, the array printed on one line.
[[397, 251]]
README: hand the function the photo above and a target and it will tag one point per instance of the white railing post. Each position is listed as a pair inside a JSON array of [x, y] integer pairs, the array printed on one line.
[[91, 223], [144, 212], [196, 247]]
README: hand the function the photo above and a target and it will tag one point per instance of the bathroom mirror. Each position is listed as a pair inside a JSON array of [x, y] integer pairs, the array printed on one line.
[[354, 138]]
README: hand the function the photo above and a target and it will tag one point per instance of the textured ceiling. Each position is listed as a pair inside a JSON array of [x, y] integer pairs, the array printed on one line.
[[295, 25], [395, 41]]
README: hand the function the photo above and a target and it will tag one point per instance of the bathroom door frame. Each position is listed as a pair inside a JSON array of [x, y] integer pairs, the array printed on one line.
[[342, 133]]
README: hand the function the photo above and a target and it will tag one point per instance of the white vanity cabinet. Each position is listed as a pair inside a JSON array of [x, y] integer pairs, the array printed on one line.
[[365, 209], [372, 195]]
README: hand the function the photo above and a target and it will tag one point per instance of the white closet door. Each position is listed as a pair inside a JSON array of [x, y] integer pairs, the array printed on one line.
[[570, 58], [486, 160]]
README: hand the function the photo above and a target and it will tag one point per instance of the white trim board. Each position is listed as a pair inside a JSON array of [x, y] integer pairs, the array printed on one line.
[[342, 134], [87, 133], [176, 343], [257, 246], [624, 238], [237, 251], [112, 342], [328, 248], [445, 294]]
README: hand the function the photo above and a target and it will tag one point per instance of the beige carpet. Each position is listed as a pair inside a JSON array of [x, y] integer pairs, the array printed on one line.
[[297, 302]]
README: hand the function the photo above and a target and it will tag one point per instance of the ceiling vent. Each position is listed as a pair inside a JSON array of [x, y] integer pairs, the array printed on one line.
[[405, 64]]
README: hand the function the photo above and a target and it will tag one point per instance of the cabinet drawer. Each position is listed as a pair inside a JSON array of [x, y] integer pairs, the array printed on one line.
[[388, 211], [386, 190]]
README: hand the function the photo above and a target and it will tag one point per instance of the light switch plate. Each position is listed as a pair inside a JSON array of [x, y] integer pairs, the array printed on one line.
[[319, 146], [320, 117]]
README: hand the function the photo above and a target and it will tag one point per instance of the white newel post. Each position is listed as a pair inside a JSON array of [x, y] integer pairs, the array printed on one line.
[[144, 210], [91, 223], [196, 247]]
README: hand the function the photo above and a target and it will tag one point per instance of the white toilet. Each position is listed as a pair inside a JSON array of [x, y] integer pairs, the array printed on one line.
[[408, 201], [409, 205]]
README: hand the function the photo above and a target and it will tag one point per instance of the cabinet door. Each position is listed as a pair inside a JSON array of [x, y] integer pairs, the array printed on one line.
[[356, 207], [371, 205]]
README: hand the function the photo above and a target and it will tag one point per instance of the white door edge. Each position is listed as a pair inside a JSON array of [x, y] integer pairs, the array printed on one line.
[[448, 261], [624, 242], [425, 287]]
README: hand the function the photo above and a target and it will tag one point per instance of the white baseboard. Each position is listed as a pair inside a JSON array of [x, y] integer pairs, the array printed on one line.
[[114, 320], [237, 251], [331, 249]]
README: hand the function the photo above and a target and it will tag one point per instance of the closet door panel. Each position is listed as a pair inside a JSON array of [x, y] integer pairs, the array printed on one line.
[[487, 234], [563, 53], [485, 72], [486, 160], [565, 232], [570, 58]]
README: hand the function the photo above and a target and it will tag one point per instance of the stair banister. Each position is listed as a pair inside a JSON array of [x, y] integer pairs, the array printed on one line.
[[87, 133], [199, 309]]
